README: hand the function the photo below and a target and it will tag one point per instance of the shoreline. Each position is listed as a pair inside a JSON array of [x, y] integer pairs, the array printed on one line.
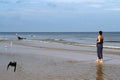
[[38, 45]]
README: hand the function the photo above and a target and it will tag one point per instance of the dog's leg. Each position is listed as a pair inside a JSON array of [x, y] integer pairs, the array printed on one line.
[[15, 66], [8, 66]]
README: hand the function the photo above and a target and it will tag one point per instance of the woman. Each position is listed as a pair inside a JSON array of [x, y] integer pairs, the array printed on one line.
[[99, 45]]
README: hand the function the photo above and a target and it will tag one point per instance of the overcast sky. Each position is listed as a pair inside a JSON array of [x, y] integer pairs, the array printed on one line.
[[59, 15]]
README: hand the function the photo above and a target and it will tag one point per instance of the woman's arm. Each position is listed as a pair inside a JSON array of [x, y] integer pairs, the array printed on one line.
[[98, 41]]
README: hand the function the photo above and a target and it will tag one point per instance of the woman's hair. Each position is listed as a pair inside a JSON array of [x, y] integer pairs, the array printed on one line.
[[100, 32]]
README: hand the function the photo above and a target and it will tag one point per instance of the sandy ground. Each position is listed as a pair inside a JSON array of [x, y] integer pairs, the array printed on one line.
[[52, 61]]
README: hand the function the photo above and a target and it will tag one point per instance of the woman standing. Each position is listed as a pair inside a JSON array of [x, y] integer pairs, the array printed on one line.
[[99, 45]]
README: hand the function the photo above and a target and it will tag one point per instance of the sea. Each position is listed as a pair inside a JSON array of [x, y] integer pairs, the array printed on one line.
[[111, 39]]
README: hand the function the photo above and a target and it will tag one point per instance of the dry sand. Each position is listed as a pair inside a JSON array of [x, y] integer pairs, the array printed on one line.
[[52, 61]]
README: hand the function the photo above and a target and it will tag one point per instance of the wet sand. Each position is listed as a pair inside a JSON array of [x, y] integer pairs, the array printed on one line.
[[53, 61]]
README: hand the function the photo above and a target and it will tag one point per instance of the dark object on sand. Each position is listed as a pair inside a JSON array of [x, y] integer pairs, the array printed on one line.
[[20, 38], [12, 64]]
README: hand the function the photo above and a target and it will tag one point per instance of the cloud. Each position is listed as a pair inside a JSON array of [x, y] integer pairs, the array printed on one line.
[[51, 4], [54, 1], [113, 9], [54, 6], [75, 1], [4, 2], [96, 5], [8, 1]]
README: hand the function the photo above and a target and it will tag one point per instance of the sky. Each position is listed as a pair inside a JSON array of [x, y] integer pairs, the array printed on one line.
[[59, 15]]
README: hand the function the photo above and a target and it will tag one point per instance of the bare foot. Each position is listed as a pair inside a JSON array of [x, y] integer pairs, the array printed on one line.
[[97, 60], [101, 61]]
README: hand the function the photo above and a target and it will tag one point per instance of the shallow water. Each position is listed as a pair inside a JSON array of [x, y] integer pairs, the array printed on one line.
[[51, 61]]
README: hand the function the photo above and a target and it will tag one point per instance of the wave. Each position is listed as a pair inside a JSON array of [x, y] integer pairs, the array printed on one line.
[[112, 47], [3, 39], [62, 41], [113, 41], [78, 44]]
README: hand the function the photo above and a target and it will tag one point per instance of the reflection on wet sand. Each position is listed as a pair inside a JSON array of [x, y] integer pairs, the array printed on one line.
[[99, 72]]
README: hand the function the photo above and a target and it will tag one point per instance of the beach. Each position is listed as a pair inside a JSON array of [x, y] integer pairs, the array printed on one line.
[[37, 60]]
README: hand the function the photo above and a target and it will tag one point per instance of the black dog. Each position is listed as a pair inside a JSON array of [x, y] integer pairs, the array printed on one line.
[[12, 64], [20, 38]]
